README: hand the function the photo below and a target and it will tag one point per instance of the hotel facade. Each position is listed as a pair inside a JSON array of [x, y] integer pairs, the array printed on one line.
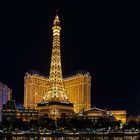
[[5, 95], [78, 89]]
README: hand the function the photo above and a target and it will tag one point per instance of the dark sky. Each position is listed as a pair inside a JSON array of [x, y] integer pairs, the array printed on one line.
[[93, 38]]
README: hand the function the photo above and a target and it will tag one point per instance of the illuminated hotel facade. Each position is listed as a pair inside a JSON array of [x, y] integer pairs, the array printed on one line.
[[78, 88], [5, 95], [120, 115]]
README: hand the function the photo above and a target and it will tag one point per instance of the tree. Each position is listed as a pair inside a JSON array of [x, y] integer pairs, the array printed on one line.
[[5, 124], [46, 122], [18, 123], [132, 124], [115, 124], [103, 123], [87, 123], [33, 124]]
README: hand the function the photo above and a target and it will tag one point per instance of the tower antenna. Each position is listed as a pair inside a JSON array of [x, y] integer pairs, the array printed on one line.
[[56, 12]]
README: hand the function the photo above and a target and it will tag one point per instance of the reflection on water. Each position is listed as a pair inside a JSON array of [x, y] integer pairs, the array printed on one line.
[[72, 138]]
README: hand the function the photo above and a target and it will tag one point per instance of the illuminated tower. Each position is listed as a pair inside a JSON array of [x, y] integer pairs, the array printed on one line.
[[5, 95], [75, 89], [56, 90], [55, 102]]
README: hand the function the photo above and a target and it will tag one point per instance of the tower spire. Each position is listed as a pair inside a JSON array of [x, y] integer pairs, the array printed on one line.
[[56, 90], [56, 20], [55, 102]]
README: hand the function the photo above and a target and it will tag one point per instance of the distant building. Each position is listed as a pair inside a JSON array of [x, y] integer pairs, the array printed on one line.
[[95, 113], [120, 115], [19, 106], [11, 113], [5, 95], [133, 118]]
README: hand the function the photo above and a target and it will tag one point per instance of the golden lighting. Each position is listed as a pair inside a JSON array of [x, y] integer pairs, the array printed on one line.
[[75, 89]]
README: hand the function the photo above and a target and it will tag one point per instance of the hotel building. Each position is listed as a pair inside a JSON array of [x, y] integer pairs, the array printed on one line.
[[5, 95]]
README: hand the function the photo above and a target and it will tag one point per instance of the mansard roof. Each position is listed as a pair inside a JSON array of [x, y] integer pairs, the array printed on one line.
[[35, 72], [80, 72]]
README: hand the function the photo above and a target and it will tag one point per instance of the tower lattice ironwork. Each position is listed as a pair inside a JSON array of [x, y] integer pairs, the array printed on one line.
[[56, 90]]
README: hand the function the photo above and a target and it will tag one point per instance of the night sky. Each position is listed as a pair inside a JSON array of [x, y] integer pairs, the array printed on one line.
[[93, 38]]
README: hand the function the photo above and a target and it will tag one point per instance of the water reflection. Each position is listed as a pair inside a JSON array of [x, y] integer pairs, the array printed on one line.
[[72, 138]]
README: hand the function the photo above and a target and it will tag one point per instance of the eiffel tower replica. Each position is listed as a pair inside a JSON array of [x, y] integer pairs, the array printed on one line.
[[55, 103]]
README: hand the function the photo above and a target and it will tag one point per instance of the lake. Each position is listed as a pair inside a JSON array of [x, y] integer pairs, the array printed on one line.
[[72, 138]]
